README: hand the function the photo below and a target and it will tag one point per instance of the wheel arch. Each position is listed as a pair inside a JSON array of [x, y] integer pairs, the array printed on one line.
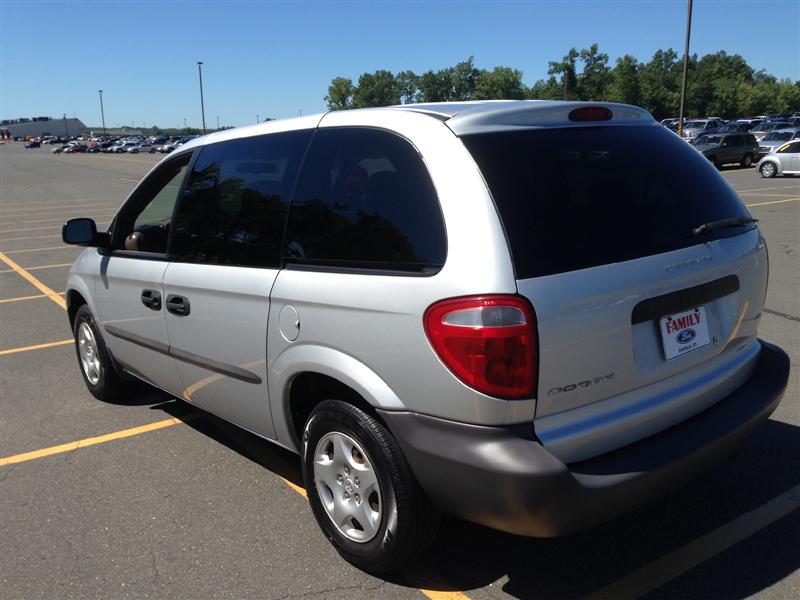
[[304, 376]]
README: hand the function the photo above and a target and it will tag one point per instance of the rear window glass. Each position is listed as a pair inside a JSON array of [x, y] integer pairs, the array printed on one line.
[[581, 197]]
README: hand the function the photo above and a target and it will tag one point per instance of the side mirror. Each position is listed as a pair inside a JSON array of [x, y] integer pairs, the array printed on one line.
[[83, 232]]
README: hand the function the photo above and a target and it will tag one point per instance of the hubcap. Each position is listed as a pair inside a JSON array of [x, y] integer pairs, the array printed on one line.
[[348, 486], [768, 169], [87, 351]]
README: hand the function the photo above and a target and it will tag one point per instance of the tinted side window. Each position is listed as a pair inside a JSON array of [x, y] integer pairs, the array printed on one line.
[[364, 199], [234, 206], [790, 148], [143, 224]]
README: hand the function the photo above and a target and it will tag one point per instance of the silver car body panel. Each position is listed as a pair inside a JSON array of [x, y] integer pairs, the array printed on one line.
[[586, 334], [366, 331], [117, 297], [227, 330]]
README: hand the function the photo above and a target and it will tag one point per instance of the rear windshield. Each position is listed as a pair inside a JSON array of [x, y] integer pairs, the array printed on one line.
[[586, 196]]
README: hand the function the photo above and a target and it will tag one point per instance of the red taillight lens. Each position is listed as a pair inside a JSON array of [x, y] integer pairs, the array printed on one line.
[[489, 342], [591, 113]]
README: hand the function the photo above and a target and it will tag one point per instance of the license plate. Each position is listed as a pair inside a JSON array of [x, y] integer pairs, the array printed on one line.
[[684, 332]]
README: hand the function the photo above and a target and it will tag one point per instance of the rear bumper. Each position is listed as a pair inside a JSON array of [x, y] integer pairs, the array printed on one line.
[[490, 476]]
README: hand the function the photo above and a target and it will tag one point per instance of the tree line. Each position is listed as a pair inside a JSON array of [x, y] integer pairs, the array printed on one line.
[[718, 84]]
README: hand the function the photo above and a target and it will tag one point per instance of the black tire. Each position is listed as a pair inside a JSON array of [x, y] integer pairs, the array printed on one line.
[[109, 385], [408, 521], [768, 170], [747, 161]]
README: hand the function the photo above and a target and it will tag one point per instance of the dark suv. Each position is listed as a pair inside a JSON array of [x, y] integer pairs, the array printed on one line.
[[725, 148]]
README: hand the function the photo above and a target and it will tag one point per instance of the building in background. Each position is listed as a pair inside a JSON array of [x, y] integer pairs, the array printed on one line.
[[39, 126]]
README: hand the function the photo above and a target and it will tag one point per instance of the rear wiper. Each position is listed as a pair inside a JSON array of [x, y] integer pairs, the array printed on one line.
[[721, 224]]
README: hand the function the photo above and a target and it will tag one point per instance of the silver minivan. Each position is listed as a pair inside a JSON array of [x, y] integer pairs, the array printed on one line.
[[531, 315]]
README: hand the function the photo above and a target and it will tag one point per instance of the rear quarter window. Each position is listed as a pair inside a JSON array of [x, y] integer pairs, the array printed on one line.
[[581, 197], [364, 199]]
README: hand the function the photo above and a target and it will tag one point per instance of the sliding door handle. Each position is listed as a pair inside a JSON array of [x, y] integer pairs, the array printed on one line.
[[178, 305]]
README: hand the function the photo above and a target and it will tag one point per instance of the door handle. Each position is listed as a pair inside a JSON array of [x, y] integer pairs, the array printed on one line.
[[178, 305], [151, 299]]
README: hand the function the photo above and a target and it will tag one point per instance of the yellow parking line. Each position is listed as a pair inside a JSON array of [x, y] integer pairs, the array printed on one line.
[[30, 237], [437, 595], [34, 210], [61, 219], [766, 189], [26, 250], [668, 567], [39, 268], [36, 347], [760, 195], [20, 298], [41, 227], [294, 486], [54, 296], [101, 439], [773, 202]]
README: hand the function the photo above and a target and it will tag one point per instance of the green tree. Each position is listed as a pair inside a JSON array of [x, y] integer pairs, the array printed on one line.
[[594, 78], [436, 86], [502, 83], [408, 84], [625, 86], [660, 84], [546, 89], [566, 68], [376, 89], [340, 94], [464, 80]]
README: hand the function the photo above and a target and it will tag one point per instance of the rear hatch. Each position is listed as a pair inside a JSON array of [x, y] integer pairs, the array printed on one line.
[[642, 320]]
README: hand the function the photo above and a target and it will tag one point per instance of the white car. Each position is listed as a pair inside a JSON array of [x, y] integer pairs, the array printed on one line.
[[784, 160]]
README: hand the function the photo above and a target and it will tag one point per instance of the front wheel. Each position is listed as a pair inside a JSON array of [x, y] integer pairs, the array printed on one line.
[[362, 491], [93, 358], [768, 170]]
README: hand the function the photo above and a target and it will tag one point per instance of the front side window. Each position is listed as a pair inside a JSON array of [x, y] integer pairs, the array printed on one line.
[[234, 206], [365, 199], [143, 225]]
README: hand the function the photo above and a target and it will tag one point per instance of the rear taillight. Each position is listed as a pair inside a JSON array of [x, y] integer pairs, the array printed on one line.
[[489, 342]]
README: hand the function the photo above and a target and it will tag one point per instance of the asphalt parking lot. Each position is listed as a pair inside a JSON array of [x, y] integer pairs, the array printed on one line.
[[152, 498]]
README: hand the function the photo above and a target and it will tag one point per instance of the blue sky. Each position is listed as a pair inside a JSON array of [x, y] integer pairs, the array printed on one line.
[[277, 58]]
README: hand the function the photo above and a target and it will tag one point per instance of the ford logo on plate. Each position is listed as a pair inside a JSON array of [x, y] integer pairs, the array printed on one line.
[[686, 336]]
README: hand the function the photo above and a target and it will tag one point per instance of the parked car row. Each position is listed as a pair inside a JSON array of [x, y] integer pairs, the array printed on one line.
[[745, 141], [132, 145]]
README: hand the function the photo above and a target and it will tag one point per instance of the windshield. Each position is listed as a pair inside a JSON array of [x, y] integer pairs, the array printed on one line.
[[778, 136], [579, 197], [695, 125], [710, 140]]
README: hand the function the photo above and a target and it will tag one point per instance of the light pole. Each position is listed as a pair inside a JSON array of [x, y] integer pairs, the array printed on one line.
[[256, 118], [202, 106], [217, 122], [102, 113], [66, 131], [685, 68]]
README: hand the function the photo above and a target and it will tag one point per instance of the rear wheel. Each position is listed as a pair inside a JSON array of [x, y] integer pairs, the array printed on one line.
[[768, 170], [362, 491], [93, 358], [747, 161]]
